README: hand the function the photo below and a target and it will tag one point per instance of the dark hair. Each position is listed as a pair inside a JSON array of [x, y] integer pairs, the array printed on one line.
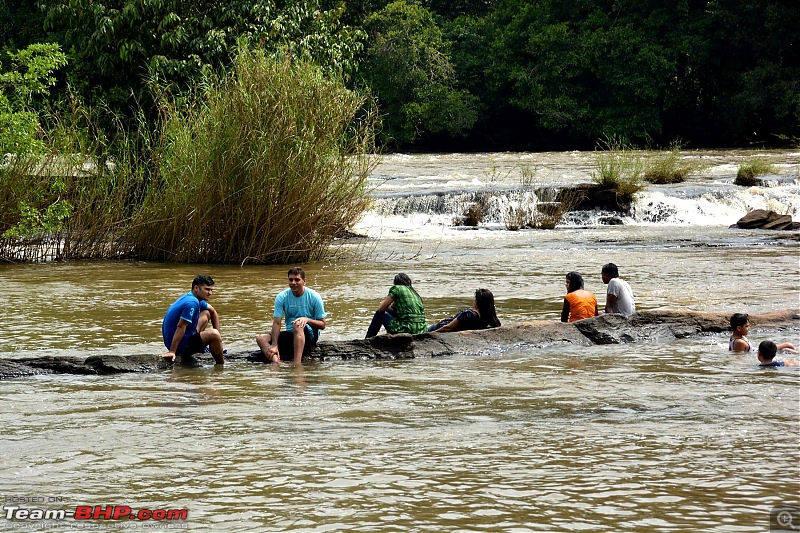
[[610, 269], [739, 319], [202, 279], [484, 300], [298, 271], [767, 349], [403, 279], [575, 281]]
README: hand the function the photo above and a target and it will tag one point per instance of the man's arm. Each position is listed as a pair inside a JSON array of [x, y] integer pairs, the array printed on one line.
[[180, 331], [611, 299], [214, 318], [565, 311]]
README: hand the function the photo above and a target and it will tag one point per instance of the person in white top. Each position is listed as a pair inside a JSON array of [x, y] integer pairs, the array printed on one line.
[[619, 296]]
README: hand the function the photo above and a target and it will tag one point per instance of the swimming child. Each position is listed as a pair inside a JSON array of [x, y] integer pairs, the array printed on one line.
[[766, 355], [740, 324]]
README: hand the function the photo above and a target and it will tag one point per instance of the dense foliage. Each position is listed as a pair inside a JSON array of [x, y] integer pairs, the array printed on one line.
[[464, 74]]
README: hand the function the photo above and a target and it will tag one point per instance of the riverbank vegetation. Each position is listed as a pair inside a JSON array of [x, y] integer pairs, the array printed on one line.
[[467, 75], [667, 166], [619, 169], [267, 163]]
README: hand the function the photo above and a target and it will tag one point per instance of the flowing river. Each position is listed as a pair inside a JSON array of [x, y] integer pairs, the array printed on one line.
[[683, 436]]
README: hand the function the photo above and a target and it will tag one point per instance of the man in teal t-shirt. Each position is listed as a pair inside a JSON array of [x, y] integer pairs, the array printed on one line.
[[305, 317]]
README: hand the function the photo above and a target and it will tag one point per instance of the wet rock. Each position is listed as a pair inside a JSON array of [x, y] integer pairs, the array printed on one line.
[[588, 196], [646, 326], [764, 219], [610, 221]]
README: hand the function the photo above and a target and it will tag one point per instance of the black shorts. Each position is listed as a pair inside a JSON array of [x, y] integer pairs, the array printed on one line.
[[286, 344], [193, 345]]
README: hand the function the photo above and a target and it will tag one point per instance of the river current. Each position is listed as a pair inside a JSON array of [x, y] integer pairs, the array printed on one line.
[[682, 436]]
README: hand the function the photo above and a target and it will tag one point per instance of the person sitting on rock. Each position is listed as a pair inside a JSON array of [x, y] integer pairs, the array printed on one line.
[[578, 303], [401, 311], [305, 317], [184, 328], [482, 315], [766, 355], [619, 295], [740, 325]]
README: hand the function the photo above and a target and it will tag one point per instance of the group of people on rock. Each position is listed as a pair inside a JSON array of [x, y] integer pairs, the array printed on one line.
[[191, 324]]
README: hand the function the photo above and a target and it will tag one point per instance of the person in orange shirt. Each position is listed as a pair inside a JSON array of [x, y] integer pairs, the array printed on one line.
[[578, 303]]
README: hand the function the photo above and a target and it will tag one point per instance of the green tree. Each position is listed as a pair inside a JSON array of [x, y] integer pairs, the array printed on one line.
[[30, 75], [407, 67], [119, 44], [586, 68], [749, 77]]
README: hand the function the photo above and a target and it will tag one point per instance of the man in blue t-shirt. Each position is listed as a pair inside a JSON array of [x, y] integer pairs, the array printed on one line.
[[305, 317], [184, 327]]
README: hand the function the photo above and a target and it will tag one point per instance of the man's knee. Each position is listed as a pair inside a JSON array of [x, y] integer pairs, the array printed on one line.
[[211, 335]]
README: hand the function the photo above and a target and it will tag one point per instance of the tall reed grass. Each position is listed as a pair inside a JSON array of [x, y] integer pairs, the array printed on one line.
[[268, 165], [69, 200], [667, 166]]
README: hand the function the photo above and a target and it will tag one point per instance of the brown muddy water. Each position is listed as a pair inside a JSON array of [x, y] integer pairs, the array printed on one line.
[[647, 437]]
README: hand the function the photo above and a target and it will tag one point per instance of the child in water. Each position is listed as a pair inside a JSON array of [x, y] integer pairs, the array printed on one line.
[[766, 355], [740, 324]]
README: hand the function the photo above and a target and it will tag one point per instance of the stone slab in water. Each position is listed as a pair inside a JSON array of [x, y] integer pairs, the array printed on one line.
[[646, 326]]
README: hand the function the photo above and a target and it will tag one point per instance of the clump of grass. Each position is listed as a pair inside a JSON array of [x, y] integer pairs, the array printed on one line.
[[749, 172], [538, 207], [667, 167], [475, 211], [619, 168], [268, 165]]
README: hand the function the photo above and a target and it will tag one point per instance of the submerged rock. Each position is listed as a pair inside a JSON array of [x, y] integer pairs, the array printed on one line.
[[646, 326]]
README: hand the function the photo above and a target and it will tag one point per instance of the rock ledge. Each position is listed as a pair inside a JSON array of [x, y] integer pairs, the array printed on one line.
[[646, 326]]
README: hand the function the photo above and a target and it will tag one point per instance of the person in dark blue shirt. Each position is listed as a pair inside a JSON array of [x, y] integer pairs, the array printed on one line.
[[766, 355], [482, 315]]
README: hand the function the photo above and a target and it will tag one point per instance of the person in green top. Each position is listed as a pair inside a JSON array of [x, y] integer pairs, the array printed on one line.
[[400, 312]]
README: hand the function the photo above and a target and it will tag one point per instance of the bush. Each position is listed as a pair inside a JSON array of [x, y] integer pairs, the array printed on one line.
[[619, 168], [748, 172], [268, 165], [538, 206], [666, 167]]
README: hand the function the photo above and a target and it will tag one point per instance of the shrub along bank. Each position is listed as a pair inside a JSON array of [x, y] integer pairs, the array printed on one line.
[[265, 164]]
